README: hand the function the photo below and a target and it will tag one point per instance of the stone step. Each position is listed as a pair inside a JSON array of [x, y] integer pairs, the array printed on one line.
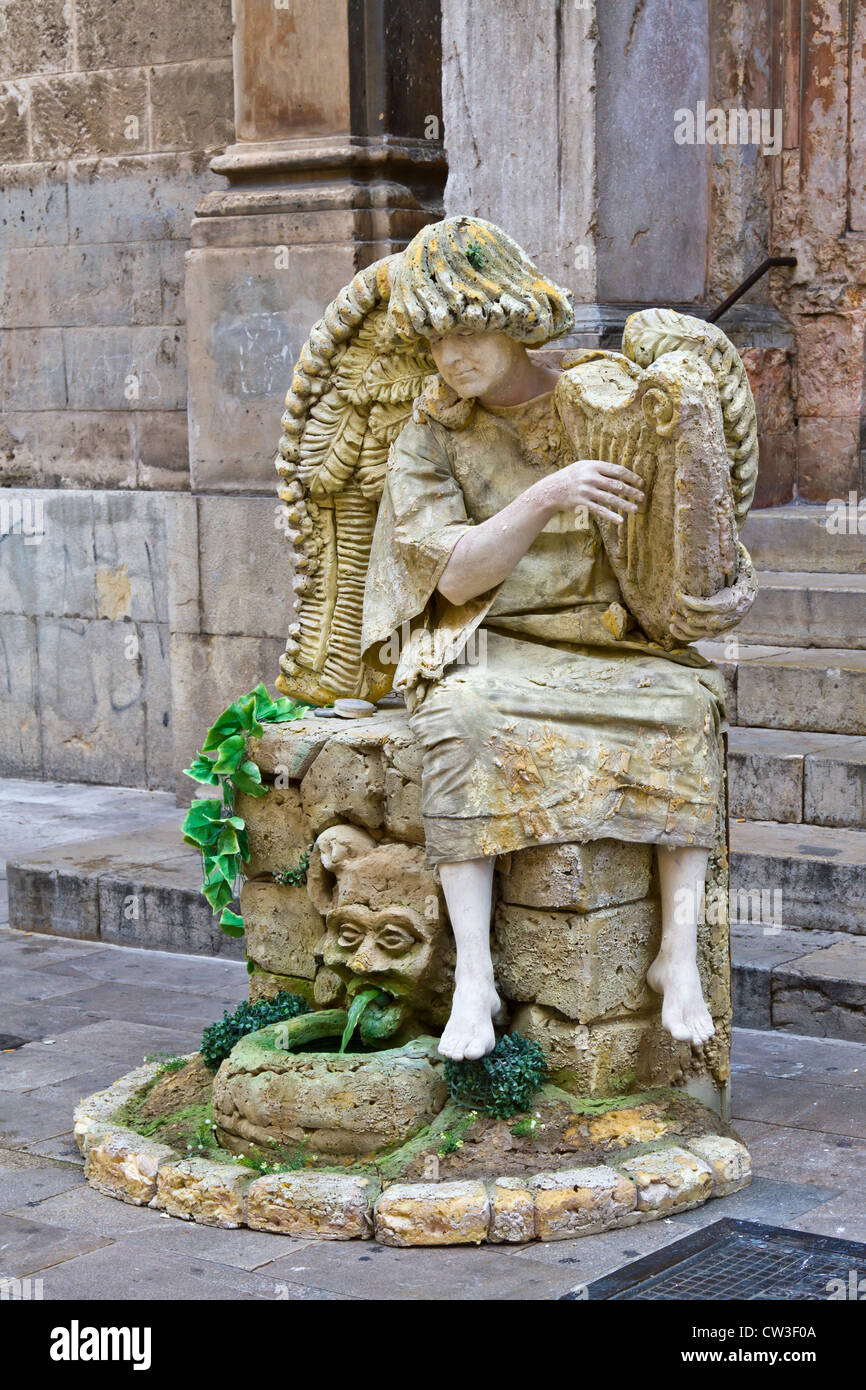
[[810, 876], [816, 537], [807, 982], [793, 777], [817, 689], [807, 610], [130, 890]]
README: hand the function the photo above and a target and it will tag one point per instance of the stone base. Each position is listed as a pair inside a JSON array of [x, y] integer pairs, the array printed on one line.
[[650, 1156]]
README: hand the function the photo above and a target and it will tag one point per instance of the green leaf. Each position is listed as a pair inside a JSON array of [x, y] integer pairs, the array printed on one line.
[[201, 770], [228, 724], [356, 1009], [228, 841], [231, 922], [247, 778], [231, 753], [286, 709]]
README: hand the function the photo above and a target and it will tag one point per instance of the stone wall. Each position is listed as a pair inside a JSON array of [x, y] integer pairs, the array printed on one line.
[[108, 119]]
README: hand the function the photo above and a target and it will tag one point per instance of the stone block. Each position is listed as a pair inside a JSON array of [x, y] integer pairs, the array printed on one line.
[[777, 475], [192, 105], [669, 1180], [245, 563], [835, 787], [446, 1213], [512, 1212], [123, 1164], [318, 1206], [200, 1190], [130, 556], [33, 204], [14, 123], [344, 783], [817, 689], [45, 899], [43, 286], [48, 569], [90, 1116], [277, 828], [579, 1201], [830, 364], [92, 699], [156, 674], [343, 1103], [20, 744], [828, 456], [769, 371], [289, 750], [248, 321], [283, 928], [148, 197], [606, 1059], [162, 909], [823, 993], [35, 40], [729, 1162], [765, 776], [115, 37], [182, 568], [161, 444], [586, 966], [33, 369], [264, 984], [601, 873], [89, 113], [56, 448], [403, 817], [132, 368]]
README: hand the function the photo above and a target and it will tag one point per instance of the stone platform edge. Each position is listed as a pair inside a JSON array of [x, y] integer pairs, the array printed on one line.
[[558, 1204]]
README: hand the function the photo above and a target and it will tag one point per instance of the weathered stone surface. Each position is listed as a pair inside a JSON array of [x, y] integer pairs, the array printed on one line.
[[585, 966], [123, 1164], [730, 1162], [512, 1212], [241, 552], [133, 197], [344, 784], [121, 367], [14, 139], [322, 1206], [605, 1059], [669, 1180], [35, 41], [56, 448], [579, 1201], [341, 1103], [264, 984], [823, 993], [248, 319], [20, 745], [765, 775], [198, 1189], [283, 927], [601, 873], [812, 874], [115, 37], [277, 827], [92, 1113], [822, 689], [834, 790], [89, 113], [448, 1213], [34, 366], [192, 105]]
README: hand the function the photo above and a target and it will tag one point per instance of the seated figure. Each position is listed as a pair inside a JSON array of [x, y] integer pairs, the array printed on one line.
[[549, 542]]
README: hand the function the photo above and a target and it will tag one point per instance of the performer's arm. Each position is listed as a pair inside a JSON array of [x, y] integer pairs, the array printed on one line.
[[486, 554]]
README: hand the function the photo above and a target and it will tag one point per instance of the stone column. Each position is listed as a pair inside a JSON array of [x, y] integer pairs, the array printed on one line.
[[338, 161]]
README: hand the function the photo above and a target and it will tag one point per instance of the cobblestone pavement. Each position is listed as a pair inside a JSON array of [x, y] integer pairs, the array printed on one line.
[[90, 1012]]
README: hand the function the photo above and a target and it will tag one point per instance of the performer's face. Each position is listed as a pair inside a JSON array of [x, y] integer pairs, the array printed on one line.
[[474, 364]]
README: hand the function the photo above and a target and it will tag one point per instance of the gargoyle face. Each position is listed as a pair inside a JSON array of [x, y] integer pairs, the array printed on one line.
[[385, 918], [392, 946]]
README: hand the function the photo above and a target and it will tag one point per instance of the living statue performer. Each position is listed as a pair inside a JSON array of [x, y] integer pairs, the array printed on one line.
[[539, 604]]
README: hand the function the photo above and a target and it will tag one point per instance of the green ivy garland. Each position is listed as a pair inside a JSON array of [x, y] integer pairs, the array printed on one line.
[[212, 824]]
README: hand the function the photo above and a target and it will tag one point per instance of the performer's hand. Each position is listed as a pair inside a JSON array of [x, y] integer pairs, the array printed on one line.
[[607, 489]]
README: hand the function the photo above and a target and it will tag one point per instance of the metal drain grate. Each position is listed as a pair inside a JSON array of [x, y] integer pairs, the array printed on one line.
[[738, 1260]]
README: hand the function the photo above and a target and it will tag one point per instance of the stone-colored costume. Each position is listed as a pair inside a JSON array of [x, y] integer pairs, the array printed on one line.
[[558, 719]]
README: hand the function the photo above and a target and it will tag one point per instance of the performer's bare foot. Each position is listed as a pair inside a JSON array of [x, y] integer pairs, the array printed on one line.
[[684, 1013], [469, 1032]]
